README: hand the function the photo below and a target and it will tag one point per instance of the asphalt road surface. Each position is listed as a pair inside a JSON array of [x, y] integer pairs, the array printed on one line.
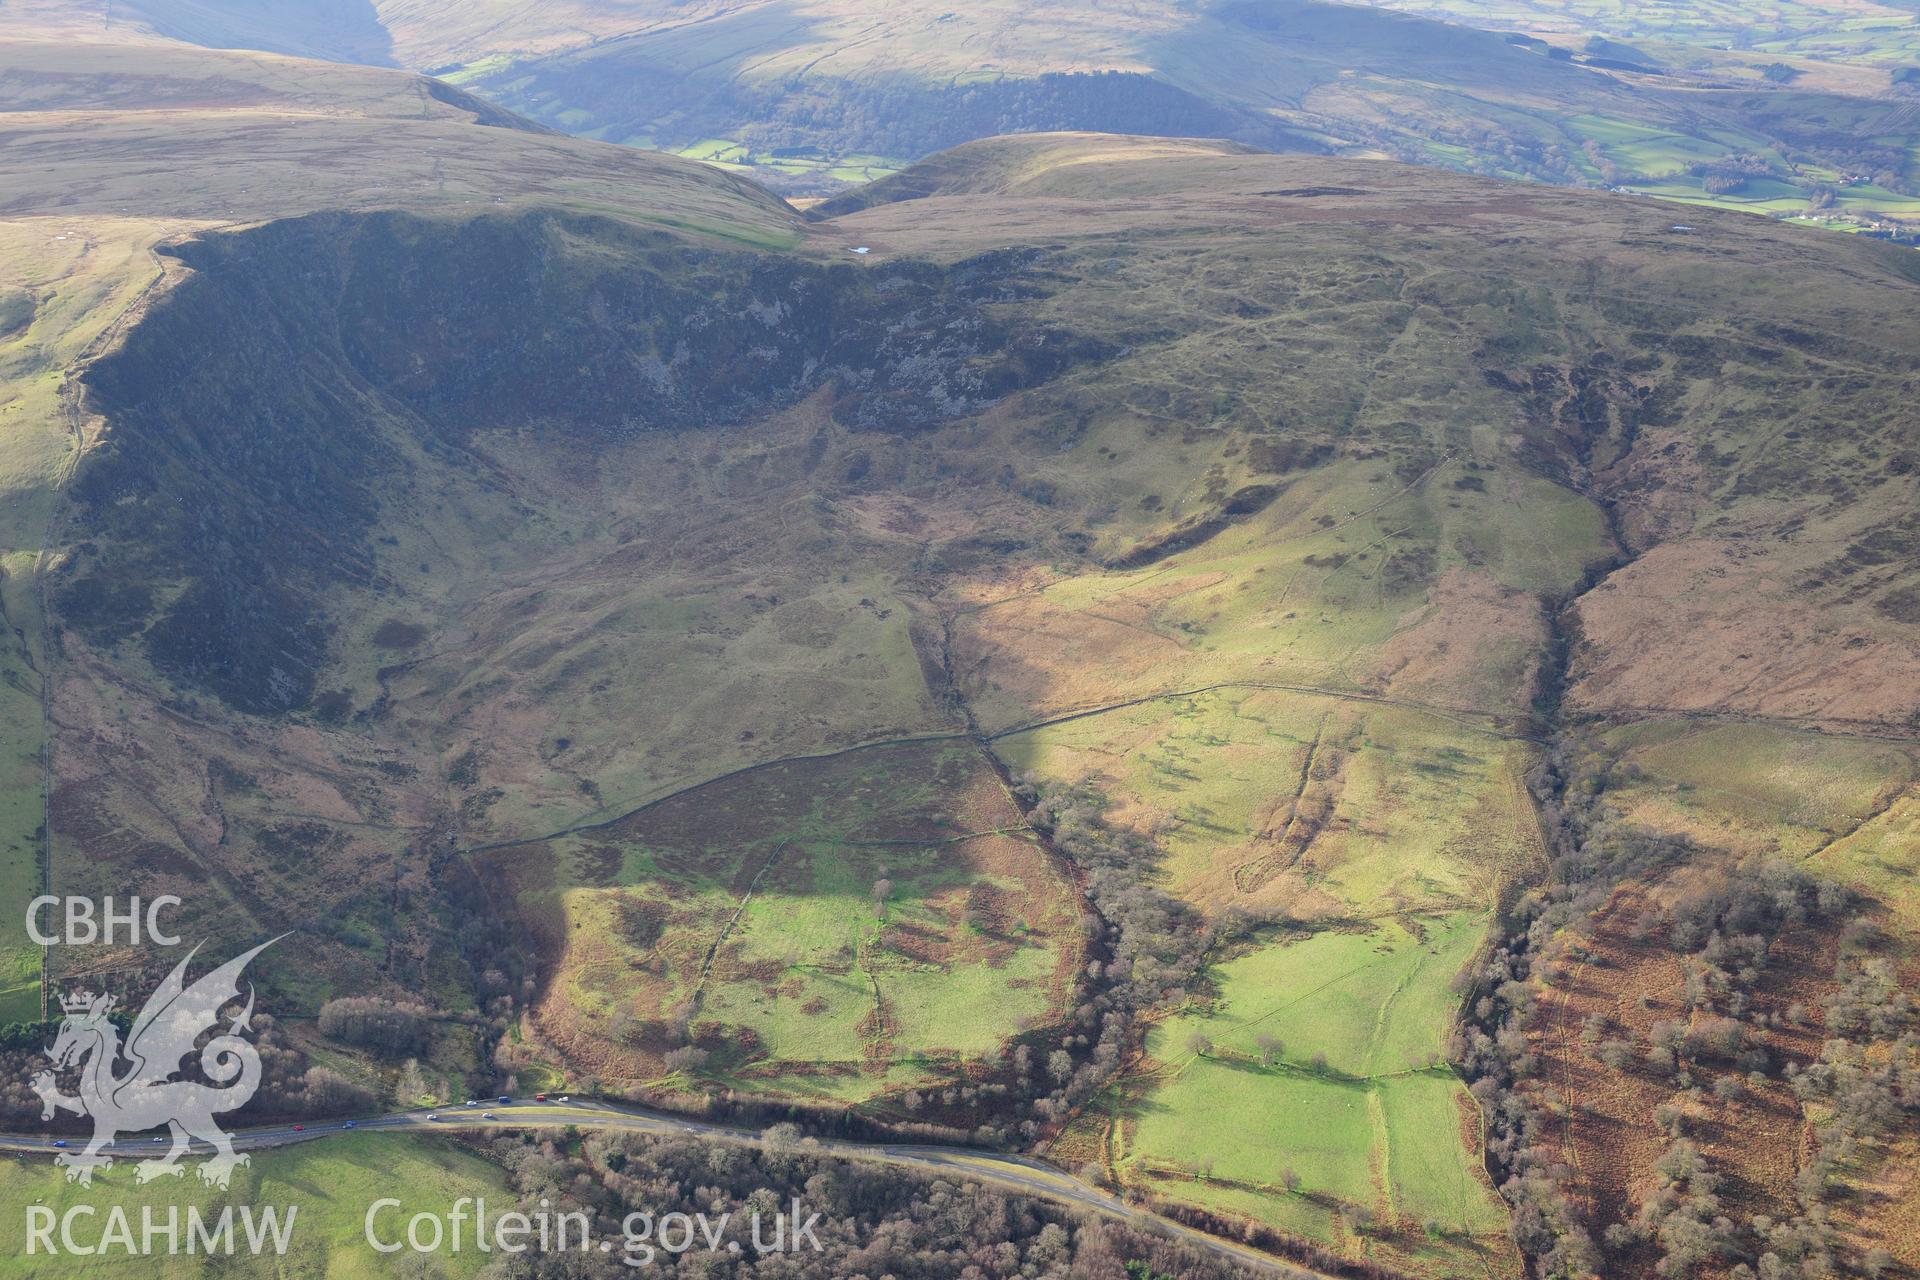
[[1016, 1174]]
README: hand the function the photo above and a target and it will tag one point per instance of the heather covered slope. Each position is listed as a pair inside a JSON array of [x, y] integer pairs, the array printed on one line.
[[624, 640], [117, 150]]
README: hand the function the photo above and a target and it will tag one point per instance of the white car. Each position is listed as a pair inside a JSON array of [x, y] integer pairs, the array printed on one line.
[[433, 1115]]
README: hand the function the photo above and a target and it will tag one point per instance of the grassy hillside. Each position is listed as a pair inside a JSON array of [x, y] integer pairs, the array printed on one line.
[[82, 219], [1246, 491], [1258, 809], [569, 590]]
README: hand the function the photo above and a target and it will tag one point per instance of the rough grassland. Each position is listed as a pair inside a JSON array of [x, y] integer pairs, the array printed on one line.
[[1312, 804], [1753, 788]]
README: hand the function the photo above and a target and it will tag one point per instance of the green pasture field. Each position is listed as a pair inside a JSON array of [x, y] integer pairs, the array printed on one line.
[[1658, 162], [739, 157], [813, 986], [1374, 1000], [830, 945], [333, 1183], [1873, 34], [1422, 823], [1379, 1125]]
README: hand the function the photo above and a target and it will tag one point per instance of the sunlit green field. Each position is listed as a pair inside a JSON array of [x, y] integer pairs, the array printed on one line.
[[1655, 162], [841, 167], [330, 1185], [1317, 1060], [1310, 802], [838, 929]]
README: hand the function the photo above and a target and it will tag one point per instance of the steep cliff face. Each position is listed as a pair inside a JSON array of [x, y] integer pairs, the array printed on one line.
[[258, 417]]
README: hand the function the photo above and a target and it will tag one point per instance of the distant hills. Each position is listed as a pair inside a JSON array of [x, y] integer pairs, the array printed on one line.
[[1817, 120]]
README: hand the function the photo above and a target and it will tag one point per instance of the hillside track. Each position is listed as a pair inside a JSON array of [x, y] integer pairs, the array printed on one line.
[[1453, 714]]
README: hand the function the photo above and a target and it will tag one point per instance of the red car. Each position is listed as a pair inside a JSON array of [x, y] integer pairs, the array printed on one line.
[[299, 1128], [539, 1097]]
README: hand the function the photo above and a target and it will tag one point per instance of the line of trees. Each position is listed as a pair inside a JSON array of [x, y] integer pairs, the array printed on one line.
[[874, 1220], [389, 1027], [1149, 948]]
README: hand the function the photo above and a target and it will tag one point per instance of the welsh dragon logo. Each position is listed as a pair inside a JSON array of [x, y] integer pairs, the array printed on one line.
[[145, 1095]]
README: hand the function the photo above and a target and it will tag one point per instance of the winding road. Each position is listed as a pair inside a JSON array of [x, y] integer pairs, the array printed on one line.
[[1018, 1175]]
